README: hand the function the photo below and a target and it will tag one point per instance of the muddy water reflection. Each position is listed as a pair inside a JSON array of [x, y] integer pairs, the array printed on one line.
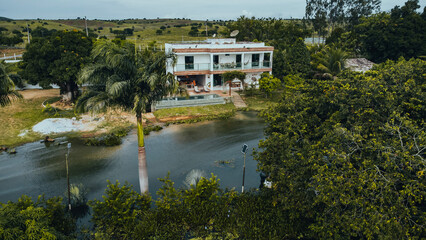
[[176, 149]]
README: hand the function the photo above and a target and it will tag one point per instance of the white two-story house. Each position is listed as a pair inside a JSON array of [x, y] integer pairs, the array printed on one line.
[[203, 63]]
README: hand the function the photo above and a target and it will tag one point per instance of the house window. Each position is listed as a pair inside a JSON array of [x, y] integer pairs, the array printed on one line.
[[189, 62], [215, 61], [267, 60], [217, 80], [255, 60], [238, 60]]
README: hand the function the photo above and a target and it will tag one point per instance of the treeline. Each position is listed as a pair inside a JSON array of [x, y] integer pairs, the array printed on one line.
[[10, 40]]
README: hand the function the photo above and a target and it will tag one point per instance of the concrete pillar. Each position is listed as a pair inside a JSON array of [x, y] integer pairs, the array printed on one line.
[[211, 61], [209, 81], [242, 61]]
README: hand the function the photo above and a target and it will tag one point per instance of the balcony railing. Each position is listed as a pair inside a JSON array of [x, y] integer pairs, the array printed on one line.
[[227, 66], [222, 66], [257, 65], [192, 67]]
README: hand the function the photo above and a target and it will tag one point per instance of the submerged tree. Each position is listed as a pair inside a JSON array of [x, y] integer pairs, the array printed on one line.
[[123, 77], [7, 87]]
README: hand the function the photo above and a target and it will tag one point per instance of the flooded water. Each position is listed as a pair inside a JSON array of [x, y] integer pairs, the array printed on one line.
[[37, 168]]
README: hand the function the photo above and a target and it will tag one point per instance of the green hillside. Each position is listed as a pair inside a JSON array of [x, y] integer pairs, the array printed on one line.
[[144, 30]]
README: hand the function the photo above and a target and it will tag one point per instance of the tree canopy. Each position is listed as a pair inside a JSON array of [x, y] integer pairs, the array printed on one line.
[[41, 219], [346, 156], [341, 11], [57, 59], [7, 87], [402, 33]]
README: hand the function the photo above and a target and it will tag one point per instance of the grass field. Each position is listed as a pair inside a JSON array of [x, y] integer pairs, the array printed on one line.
[[23, 114], [258, 101], [191, 113]]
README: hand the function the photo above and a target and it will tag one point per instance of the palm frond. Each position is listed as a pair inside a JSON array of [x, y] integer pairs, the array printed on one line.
[[119, 88]]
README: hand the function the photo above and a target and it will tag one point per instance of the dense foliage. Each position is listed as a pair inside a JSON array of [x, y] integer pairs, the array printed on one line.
[[204, 210], [341, 11], [57, 59], [43, 219], [268, 83], [390, 36], [7, 87], [348, 154], [280, 34]]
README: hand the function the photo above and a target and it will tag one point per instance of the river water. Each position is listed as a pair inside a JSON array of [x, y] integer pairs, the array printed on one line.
[[37, 168]]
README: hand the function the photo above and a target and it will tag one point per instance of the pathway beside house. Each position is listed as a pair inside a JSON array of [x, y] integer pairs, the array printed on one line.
[[238, 101]]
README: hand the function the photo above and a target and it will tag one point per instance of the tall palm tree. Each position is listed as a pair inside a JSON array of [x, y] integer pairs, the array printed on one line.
[[123, 77], [7, 87]]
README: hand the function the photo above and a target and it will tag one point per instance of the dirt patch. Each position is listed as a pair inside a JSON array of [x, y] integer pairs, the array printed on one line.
[[39, 93]]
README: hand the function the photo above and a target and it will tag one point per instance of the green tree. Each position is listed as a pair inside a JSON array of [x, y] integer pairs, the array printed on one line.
[[341, 11], [7, 87], [390, 36], [268, 83], [297, 59], [43, 219], [120, 212], [57, 60], [122, 77], [346, 156]]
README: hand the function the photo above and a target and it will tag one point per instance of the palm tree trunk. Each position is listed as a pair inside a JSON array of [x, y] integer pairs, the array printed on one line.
[[143, 171]]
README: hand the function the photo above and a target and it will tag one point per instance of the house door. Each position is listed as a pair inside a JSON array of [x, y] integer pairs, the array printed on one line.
[[189, 62], [238, 60], [255, 60]]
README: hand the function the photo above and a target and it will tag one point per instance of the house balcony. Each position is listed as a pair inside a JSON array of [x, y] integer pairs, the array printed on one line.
[[222, 66], [192, 67]]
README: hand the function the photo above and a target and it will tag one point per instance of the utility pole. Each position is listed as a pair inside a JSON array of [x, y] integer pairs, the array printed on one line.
[[87, 32], [28, 33], [68, 176], [244, 167]]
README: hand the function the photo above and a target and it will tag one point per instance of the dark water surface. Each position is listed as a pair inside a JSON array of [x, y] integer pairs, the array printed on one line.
[[177, 149]]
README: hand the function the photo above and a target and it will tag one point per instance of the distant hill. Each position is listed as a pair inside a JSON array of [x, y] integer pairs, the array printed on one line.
[[5, 19], [143, 32]]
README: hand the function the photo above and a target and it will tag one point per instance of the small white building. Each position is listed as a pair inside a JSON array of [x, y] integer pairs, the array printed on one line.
[[202, 64]]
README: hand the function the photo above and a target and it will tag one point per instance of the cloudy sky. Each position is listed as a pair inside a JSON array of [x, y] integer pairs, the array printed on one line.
[[194, 9]]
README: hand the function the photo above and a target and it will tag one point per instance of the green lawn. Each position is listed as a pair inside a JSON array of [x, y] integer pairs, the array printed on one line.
[[258, 101], [21, 116], [197, 113]]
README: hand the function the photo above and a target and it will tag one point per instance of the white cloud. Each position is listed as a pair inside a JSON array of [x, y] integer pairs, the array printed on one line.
[[247, 13]]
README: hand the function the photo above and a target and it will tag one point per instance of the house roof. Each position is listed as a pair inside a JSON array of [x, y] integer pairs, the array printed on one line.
[[359, 64]]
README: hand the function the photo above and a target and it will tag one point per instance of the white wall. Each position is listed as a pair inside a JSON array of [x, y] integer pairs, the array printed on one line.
[[198, 58], [227, 59]]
